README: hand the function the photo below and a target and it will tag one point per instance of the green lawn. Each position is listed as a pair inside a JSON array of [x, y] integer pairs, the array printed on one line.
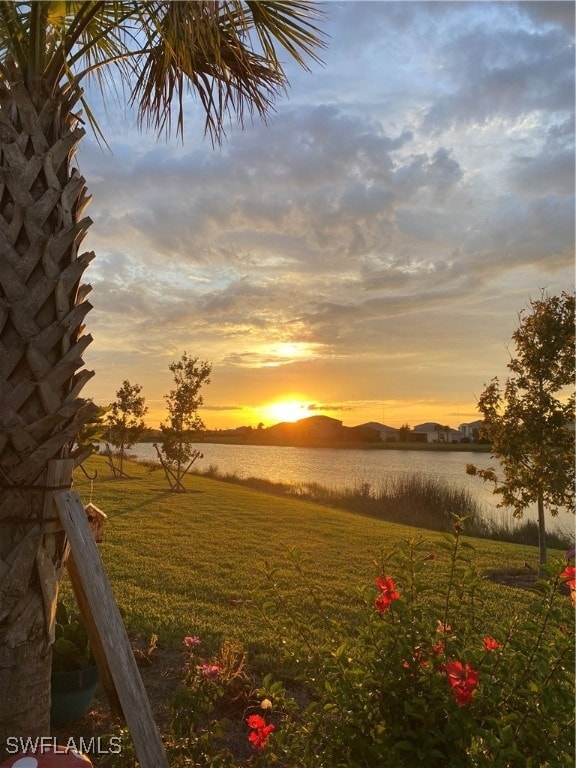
[[177, 560]]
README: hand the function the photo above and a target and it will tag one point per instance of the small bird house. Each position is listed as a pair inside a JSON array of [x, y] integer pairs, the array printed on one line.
[[97, 519]]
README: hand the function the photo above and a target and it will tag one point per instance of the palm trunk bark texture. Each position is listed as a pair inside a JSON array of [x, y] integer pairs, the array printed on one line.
[[42, 309]]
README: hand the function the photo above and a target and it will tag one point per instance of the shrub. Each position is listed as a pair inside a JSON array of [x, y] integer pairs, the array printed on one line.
[[424, 674], [428, 677]]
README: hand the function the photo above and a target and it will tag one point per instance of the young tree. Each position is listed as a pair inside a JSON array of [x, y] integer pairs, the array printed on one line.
[[125, 423], [530, 422], [184, 425], [93, 431]]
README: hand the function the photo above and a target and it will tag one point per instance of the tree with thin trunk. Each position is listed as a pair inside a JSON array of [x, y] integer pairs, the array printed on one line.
[[125, 423], [530, 423], [224, 52], [184, 426]]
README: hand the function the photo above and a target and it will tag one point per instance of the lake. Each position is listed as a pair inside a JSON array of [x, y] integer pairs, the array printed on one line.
[[350, 467]]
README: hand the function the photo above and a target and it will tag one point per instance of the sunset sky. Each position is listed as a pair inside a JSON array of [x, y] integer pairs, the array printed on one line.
[[363, 255]]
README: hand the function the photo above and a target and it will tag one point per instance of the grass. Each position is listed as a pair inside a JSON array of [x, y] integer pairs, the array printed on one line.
[[409, 499], [412, 499], [176, 561]]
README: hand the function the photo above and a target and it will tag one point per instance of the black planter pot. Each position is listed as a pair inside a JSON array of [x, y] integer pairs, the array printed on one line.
[[72, 693]]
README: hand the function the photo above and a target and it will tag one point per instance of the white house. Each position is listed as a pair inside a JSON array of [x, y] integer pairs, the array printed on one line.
[[467, 430], [438, 433]]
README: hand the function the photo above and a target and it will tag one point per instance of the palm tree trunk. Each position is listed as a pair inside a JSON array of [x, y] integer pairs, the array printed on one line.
[[42, 308]]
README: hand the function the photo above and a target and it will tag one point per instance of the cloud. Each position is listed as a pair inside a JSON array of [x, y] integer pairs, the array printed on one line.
[[222, 407], [321, 186], [560, 13], [551, 170], [269, 248], [503, 73]]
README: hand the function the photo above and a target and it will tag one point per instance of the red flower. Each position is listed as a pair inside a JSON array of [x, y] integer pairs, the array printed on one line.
[[261, 731], [387, 594], [490, 644], [570, 575], [462, 679], [439, 647]]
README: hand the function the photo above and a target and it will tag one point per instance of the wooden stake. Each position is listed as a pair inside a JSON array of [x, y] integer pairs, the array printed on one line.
[[95, 642], [108, 624]]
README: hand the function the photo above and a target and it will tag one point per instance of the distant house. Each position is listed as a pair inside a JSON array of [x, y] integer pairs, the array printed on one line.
[[320, 428], [311, 428], [438, 433], [386, 434], [470, 430], [362, 434]]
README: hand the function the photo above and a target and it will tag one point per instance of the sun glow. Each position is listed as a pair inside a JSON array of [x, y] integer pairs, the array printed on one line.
[[287, 410]]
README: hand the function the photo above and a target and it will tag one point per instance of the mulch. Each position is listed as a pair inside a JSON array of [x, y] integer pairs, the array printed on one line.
[[160, 676]]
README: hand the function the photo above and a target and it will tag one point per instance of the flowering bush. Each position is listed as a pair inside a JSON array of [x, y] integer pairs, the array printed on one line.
[[211, 689], [430, 677], [425, 674]]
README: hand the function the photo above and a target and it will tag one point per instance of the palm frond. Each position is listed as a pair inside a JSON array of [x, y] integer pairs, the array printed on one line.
[[290, 23], [14, 32], [205, 48], [223, 51]]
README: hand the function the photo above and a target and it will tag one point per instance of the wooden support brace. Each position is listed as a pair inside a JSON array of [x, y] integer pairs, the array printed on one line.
[[115, 645], [96, 646]]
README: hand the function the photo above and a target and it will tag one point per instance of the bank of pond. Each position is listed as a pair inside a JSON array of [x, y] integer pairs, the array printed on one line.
[[424, 490]]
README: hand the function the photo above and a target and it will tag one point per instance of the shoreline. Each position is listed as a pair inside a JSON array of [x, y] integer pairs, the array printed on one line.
[[339, 444]]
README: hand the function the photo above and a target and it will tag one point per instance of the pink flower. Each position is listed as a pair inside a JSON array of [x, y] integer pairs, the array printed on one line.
[[209, 670], [387, 594], [490, 644], [190, 641], [261, 731]]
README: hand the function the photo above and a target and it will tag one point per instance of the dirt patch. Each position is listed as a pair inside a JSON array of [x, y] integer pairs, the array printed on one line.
[[160, 677], [520, 578]]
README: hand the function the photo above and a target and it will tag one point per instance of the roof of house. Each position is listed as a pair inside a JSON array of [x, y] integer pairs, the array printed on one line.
[[319, 417], [378, 426], [428, 426]]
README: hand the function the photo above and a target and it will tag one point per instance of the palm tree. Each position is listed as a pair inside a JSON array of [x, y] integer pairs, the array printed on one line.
[[223, 52]]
